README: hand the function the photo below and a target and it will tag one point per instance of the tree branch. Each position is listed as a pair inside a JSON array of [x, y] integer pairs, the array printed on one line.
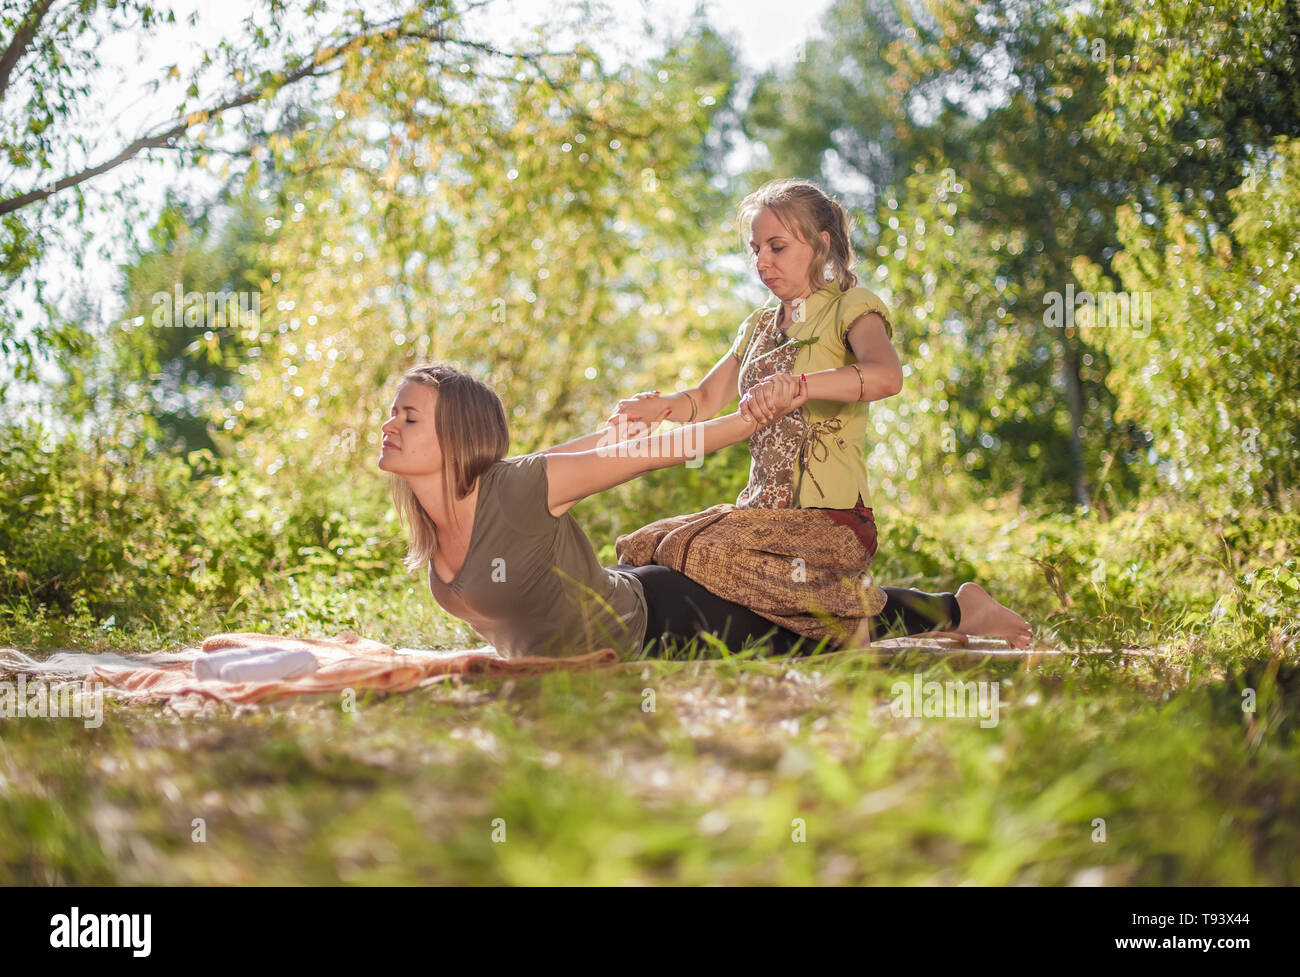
[[310, 67], [26, 31]]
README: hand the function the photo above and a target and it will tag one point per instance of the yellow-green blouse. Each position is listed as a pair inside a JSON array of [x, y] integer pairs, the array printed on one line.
[[837, 456]]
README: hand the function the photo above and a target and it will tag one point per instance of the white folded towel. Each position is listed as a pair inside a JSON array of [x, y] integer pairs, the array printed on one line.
[[270, 668], [209, 666], [262, 664]]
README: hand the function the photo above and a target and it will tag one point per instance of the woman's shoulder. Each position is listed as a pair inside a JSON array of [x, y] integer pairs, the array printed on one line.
[[747, 328], [861, 295], [519, 462], [757, 315], [859, 301], [519, 468], [519, 484], [510, 477]]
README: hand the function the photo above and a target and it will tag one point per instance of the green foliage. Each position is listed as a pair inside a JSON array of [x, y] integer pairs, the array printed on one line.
[[1214, 375], [109, 547], [73, 529], [1195, 91], [52, 67], [1026, 132], [52, 75], [501, 233], [838, 98], [976, 415]]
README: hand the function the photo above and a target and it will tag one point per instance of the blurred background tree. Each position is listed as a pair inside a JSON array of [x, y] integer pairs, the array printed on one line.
[[1040, 121]]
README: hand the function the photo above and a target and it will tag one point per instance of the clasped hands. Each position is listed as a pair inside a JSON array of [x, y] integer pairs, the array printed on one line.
[[773, 397], [765, 402], [639, 415]]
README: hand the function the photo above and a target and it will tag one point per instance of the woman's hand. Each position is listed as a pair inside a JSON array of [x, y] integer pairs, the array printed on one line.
[[642, 413], [773, 398], [626, 429]]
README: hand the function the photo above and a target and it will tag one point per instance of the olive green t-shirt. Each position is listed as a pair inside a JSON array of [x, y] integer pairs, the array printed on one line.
[[839, 463], [531, 583]]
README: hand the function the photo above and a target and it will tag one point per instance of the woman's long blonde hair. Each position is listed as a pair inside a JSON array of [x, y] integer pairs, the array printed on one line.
[[805, 209], [470, 422]]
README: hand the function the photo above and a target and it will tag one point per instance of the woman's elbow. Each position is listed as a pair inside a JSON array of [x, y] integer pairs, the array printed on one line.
[[894, 383]]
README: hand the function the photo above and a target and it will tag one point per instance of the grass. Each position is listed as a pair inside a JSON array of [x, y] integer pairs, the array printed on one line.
[[1135, 768]]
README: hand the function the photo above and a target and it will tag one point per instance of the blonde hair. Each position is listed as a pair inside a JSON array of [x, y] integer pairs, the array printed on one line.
[[804, 208], [470, 422]]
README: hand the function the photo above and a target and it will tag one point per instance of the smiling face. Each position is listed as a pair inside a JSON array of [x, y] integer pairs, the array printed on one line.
[[410, 442], [781, 258]]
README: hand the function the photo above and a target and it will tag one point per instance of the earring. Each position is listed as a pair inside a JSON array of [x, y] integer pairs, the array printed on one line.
[[828, 273]]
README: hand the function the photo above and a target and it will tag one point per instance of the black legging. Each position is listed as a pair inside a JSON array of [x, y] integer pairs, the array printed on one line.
[[678, 609]]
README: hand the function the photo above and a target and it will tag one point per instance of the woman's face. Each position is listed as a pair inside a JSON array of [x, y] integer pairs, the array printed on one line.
[[410, 443], [781, 258]]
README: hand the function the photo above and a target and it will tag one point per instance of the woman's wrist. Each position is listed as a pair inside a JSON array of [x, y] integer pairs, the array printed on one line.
[[744, 424], [685, 407], [677, 406]]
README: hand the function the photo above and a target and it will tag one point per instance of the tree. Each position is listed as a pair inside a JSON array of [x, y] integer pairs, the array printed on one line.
[[1050, 118], [189, 299], [48, 73], [1214, 373], [838, 100], [557, 238], [973, 91], [1196, 94]]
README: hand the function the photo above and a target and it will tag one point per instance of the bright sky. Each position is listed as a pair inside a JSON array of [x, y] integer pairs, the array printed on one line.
[[765, 32]]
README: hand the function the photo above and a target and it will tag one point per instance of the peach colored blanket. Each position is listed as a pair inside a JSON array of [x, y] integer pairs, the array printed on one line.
[[347, 661]]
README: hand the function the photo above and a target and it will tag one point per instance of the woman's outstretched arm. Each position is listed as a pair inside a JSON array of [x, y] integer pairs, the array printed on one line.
[[633, 429], [640, 414], [713, 393], [572, 476]]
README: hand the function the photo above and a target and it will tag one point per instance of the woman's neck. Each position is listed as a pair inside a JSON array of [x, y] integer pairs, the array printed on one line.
[[451, 521], [787, 305]]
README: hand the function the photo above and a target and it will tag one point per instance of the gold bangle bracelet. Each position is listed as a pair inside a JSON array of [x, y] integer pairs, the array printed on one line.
[[694, 407], [862, 384]]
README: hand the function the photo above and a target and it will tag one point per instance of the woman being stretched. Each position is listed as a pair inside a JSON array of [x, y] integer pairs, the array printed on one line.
[[834, 336], [503, 552]]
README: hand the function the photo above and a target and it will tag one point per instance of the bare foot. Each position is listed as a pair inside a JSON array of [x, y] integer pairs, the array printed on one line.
[[984, 617]]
